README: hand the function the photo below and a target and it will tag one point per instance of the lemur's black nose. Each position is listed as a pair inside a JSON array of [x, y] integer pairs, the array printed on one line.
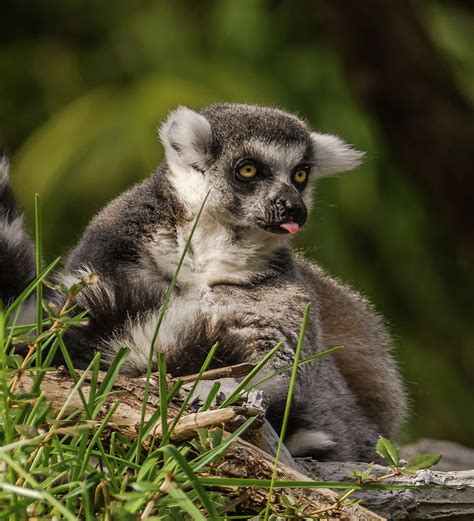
[[290, 205]]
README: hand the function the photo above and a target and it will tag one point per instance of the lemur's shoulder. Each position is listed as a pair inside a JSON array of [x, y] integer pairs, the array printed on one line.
[[116, 234], [332, 296]]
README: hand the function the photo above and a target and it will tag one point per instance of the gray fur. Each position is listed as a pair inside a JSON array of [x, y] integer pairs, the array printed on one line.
[[17, 254], [240, 284]]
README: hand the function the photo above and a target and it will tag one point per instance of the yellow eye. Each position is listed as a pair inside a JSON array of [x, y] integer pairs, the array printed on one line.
[[248, 171], [300, 176]]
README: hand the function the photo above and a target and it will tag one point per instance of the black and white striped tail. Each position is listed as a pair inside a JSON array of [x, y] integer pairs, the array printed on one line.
[[17, 252]]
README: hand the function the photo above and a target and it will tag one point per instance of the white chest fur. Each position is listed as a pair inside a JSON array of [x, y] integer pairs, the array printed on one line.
[[215, 255]]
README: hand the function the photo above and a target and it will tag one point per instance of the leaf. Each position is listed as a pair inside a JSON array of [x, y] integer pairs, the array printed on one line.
[[120, 514], [363, 475], [145, 486], [149, 465], [387, 450], [422, 461], [185, 504], [216, 436], [193, 480], [288, 500]]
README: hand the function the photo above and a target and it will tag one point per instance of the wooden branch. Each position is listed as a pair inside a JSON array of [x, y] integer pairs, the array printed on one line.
[[190, 423], [57, 388], [232, 371]]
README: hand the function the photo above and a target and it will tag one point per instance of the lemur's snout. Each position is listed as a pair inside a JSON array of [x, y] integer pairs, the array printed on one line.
[[290, 209]]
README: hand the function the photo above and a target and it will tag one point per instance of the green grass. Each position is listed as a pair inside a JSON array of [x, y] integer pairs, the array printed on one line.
[[66, 464]]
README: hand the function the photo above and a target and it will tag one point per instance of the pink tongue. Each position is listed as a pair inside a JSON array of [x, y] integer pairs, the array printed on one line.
[[291, 227]]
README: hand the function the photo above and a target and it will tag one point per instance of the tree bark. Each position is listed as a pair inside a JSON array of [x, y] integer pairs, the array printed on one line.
[[451, 496]]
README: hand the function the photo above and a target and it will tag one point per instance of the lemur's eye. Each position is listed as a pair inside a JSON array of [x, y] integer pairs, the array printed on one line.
[[247, 171], [300, 176]]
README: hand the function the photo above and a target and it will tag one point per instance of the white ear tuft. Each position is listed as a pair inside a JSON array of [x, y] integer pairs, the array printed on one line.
[[187, 138], [334, 155]]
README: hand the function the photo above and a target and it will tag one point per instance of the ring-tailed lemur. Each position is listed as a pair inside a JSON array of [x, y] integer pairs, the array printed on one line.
[[240, 284]]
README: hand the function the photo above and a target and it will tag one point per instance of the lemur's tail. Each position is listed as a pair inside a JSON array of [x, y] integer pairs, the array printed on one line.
[[17, 252]]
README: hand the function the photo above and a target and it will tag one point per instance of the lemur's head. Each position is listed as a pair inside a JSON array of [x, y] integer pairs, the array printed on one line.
[[258, 163]]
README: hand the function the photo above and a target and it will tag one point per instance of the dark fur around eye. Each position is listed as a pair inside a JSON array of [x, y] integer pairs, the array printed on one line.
[[300, 185], [261, 170]]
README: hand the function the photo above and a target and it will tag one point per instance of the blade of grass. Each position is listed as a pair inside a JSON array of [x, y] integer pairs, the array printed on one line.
[[174, 390], [97, 434], [186, 401], [193, 479], [288, 367], [203, 459], [21, 491], [65, 405], [163, 392], [8, 421], [161, 316], [184, 503], [32, 286], [7, 431], [211, 396], [278, 484], [72, 371], [33, 483], [39, 267], [236, 393], [110, 378], [94, 377], [289, 399], [22, 443]]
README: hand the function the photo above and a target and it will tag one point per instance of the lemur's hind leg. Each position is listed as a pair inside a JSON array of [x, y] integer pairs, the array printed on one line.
[[17, 252]]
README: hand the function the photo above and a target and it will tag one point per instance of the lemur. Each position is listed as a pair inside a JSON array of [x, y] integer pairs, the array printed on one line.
[[240, 284]]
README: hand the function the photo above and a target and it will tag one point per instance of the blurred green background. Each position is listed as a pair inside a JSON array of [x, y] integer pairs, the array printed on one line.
[[84, 84]]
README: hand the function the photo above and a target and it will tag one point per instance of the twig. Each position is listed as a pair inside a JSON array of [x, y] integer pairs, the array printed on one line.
[[231, 371], [57, 324], [337, 504], [148, 508], [188, 424]]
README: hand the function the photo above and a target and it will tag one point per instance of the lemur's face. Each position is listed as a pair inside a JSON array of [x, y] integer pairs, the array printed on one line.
[[257, 163], [266, 184]]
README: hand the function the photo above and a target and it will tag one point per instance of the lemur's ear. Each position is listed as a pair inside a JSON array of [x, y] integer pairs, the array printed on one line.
[[187, 138], [334, 155]]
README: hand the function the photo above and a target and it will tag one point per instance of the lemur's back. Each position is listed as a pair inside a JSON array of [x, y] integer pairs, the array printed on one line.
[[365, 360]]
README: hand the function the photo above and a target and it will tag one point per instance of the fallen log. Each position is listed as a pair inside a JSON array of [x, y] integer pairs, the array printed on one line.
[[58, 388], [242, 460], [246, 460], [450, 495]]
